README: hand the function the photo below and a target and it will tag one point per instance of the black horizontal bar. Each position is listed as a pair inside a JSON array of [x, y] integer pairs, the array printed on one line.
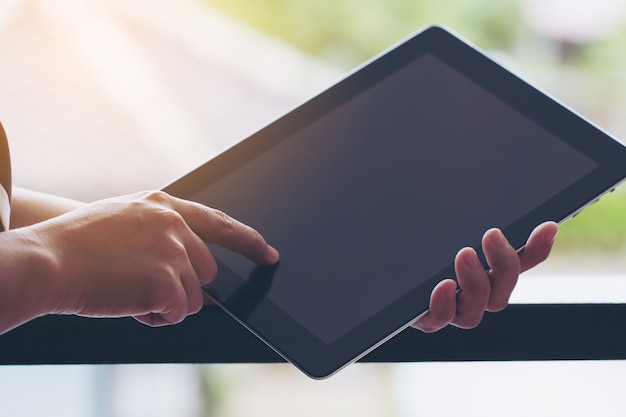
[[520, 333]]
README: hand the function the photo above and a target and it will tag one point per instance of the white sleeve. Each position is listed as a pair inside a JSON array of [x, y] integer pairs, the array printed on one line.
[[5, 209]]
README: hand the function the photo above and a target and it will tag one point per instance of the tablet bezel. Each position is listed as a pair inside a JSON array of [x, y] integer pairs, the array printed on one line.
[[289, 338]]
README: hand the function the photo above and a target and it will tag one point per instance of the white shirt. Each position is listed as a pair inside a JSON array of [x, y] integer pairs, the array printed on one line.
[[5, 181], [5, 208]]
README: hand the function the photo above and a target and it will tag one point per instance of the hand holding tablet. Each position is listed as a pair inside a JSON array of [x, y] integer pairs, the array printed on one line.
[[369, 190], [481, 290]]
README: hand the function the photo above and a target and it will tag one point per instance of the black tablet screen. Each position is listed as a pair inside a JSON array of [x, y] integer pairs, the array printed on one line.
[[371, 199]]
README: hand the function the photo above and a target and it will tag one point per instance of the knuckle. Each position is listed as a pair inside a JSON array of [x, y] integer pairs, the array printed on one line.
[[257, 239], [223, 220], [171, 218], [175, 253], [156, 196], [151, 207], [225, 226], [145, 197]]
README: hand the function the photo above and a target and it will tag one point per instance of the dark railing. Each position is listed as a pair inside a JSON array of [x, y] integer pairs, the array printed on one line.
[[522, 332]]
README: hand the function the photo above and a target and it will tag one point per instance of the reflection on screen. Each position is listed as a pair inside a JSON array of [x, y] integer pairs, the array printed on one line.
[[375, 197]]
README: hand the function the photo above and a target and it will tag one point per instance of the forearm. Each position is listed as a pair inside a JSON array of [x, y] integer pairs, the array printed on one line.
[[143, 255], [25, 267], [30, 207], [26, 264]]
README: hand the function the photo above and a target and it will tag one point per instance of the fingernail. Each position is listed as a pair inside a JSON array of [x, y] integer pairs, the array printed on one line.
[[274, 255]]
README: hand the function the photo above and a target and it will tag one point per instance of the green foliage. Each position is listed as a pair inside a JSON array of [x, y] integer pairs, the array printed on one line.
[[606, 58], [600, 227], [350, 31]]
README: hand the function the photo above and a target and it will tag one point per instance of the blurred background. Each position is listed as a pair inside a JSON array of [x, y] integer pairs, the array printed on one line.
[[106, 97]]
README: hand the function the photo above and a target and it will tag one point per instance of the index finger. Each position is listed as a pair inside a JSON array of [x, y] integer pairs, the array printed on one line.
[[215, 226]]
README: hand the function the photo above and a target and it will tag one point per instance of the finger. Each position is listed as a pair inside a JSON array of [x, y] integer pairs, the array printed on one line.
[[192, 285], [539, 245], [217, 227], [195, 269], [473, 298], [442, 308], [169, 302], [193, 291], [505, 268], [201, 258], [152, 320]]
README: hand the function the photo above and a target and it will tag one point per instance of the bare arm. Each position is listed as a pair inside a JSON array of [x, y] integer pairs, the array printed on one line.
[[145, 256], [30, 207], [142, 255], [25, 265]]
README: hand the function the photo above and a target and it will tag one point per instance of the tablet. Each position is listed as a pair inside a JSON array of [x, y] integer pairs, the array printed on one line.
[[370, 188]]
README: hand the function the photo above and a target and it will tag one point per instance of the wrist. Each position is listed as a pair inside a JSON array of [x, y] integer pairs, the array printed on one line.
[[27, 284]]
